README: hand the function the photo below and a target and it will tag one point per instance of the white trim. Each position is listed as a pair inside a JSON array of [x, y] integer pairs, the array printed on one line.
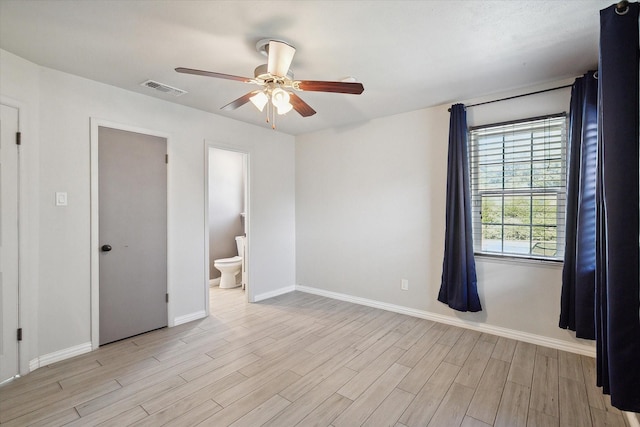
[[480, 327], [21, 232], [512, 259], [57, 356], [94, 239], [632, 418], [27, 295], [214, 282], [275, 293], [189, 317], [8, 380]]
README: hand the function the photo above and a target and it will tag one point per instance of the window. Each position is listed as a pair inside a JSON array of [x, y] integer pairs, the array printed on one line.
[[518, 187]]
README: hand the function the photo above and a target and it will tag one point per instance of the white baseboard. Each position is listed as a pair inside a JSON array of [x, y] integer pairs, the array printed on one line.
[[480, 327], [633, 418], [275, 293], [57, 356], [189, 317], [214, 282]]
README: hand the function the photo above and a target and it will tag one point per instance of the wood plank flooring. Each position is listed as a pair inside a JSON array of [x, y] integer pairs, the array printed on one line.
[[304, 360]]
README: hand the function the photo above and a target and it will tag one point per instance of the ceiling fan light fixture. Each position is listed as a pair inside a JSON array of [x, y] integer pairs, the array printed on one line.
[[284, 109], [280, 98], [259, 100]]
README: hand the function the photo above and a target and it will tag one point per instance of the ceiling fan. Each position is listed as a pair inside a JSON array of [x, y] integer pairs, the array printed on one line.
[[277, 84]]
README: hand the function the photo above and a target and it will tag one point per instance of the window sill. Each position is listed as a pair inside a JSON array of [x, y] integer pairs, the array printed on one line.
[[514, 259]]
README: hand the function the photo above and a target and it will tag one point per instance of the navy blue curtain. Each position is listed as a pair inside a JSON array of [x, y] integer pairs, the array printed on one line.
[[578, 274], [617, 230], [458, 288]]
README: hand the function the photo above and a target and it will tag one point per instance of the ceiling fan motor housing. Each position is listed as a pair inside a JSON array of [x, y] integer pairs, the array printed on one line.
[[261, 72]]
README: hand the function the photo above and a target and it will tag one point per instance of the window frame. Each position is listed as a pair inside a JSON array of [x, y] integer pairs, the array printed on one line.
[[478, 196]]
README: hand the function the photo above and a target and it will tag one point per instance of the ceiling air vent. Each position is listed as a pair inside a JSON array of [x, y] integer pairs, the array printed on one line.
[[163, 88]]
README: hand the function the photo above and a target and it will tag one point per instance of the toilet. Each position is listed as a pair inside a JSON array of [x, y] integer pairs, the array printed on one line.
[[230, 267]]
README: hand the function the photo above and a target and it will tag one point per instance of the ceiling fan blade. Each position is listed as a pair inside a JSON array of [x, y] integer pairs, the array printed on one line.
[[213, 74], [239, 102], [300, 106], [280, 56], [338, 87]]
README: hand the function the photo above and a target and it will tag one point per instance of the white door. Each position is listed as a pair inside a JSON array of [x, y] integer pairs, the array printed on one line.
[[8, 243], [132, 222]]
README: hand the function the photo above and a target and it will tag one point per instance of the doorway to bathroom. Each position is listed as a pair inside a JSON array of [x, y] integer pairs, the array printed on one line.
[[227, 220]]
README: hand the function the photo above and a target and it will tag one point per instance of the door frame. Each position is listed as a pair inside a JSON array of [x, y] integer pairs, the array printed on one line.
[[23, 311], [95, 235], [208, 145]]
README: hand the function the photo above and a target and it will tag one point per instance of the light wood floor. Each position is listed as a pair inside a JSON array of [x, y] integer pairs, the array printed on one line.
[[300, 359]]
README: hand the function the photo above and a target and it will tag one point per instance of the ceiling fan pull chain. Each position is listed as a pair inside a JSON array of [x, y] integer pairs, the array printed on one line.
[[267, 111], [273, 118]]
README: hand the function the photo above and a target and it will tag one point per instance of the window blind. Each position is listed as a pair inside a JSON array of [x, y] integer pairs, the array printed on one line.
[[518, 187]]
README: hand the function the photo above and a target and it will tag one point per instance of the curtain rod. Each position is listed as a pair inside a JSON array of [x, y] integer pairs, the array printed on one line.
[[517, 96]]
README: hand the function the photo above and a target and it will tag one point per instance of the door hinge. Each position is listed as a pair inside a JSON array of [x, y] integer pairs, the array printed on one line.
[[166, 158], [167, 297], [18, 138], [19, 334]]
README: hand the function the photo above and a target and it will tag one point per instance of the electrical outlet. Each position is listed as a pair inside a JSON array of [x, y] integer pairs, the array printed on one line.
[[404, 285]]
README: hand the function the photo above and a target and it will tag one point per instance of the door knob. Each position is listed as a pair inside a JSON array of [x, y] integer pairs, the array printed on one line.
[[106, 248]]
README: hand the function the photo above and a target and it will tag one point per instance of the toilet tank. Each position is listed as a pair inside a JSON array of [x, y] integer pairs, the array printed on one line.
[[240, 245]]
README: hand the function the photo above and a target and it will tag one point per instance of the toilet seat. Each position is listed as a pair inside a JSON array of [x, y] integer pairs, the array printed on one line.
[[232, 260]]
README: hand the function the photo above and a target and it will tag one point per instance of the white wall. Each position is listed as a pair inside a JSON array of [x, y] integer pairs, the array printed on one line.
[[370, 211], [59, 107]]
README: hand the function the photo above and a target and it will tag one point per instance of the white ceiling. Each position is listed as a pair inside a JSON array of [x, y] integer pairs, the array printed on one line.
[[408, 54]]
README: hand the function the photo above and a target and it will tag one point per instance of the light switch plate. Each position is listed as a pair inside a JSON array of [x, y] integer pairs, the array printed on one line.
[[61, 198]]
